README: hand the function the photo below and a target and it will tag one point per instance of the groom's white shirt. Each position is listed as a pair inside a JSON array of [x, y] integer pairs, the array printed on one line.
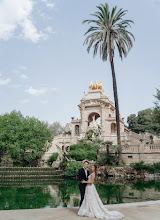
[[85, 171]]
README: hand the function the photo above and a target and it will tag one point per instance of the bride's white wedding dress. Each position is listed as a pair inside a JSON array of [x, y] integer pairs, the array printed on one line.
[[92, 205]]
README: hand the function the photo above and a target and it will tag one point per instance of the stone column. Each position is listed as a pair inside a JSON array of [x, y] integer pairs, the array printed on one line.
[[103, 118], [83, 126]]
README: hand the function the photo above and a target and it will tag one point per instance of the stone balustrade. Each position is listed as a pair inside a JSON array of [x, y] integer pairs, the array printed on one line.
[[148, 148]]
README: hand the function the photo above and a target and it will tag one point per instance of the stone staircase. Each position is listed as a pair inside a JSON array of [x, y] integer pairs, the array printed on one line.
[[31, 173]]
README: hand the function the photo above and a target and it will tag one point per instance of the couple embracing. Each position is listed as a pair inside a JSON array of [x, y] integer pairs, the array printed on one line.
[[91, 204]]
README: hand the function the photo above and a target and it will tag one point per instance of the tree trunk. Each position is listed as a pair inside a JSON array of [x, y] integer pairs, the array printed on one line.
[[107, 148], [116, 105], [98, 154]]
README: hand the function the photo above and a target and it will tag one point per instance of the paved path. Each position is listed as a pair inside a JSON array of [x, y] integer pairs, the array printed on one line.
[[131, 211]]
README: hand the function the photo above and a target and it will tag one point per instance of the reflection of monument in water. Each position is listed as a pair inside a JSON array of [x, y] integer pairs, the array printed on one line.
[[97, 113]]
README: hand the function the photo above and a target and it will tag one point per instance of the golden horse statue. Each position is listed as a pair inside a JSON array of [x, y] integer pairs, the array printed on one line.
[[97, 86]]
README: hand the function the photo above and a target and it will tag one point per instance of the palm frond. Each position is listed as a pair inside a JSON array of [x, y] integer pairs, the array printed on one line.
[[107, 30]]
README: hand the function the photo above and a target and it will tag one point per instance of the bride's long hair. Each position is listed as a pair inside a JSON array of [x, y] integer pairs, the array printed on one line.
[[95, 166]]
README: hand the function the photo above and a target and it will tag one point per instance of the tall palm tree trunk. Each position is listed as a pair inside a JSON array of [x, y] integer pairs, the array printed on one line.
[[116, 101], [116, 106]]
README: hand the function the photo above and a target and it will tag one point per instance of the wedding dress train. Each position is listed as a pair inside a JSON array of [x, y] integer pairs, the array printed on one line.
[[92, 205]]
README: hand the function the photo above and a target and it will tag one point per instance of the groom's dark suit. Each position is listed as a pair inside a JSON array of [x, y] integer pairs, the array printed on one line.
[[82, 186]]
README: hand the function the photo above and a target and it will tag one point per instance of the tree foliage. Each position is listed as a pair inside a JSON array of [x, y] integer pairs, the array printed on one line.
[[56, 128], [108, 29], [147, 120], [23, 138], [52, 158], [82, 151], [72, 168]]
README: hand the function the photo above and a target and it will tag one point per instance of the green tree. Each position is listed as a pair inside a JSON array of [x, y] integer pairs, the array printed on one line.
[[107, 30], [24, 139], [156, 112], [56, 128], [132, 122], [145, 121]]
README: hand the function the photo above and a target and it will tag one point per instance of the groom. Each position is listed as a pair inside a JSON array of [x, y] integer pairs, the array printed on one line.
[[83, 175]]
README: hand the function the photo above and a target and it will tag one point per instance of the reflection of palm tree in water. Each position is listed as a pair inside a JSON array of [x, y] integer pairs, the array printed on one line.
[[66, 189], [119, 193], [110, 192]]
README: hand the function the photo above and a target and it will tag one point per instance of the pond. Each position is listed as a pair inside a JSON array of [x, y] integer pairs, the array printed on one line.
[[43, 193]]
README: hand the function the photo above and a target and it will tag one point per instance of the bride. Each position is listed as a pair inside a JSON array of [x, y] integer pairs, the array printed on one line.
[[92, 205]]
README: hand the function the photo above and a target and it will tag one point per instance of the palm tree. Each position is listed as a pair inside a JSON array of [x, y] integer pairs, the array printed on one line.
[[106, 31]]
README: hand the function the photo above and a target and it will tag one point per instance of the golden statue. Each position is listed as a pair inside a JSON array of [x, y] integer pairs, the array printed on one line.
[[97, 86]]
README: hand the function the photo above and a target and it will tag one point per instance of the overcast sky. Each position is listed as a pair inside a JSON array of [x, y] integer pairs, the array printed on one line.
[[45, 69]]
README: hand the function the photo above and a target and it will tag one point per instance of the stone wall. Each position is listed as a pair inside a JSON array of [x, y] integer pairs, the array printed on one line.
[[136, 153]]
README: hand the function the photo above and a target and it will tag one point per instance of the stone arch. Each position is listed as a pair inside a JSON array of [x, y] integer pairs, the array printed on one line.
[[113, 128], [76, 129], [109, 115], [90, 119]]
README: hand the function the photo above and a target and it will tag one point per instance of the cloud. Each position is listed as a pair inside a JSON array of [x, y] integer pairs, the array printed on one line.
[[48, 3], [5, 81], [22, 67], [24, 76], [20, 72], [16, 17], [50, 30], [37, 92]]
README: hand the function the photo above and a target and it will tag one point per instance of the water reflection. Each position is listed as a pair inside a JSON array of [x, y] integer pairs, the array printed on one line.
[[30, 194]]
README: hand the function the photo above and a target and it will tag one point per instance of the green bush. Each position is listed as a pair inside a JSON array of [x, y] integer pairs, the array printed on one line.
[[74, 147], [156, 166], [52, 158], [72, 168], [91, 155], [22, 138], [83, 146], [151, 168], [77, 154], [82, 151], [106, 159], [101, 161], [123, 162], [138, 166]]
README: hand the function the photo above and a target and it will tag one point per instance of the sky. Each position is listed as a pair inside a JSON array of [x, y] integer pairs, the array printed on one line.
[[45, 68]]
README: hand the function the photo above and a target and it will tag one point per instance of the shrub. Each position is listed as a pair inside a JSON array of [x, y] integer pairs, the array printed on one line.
[[91, 155], [82, 151], [151, 168], [52, 158], [72, 168], [106, 159], [77, 154], [83, 146], [74, 146], [101, 161], [123, 162], [157, 166]]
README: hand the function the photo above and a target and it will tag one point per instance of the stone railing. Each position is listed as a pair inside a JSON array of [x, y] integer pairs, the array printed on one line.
[[149, 148], [130, 148]]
